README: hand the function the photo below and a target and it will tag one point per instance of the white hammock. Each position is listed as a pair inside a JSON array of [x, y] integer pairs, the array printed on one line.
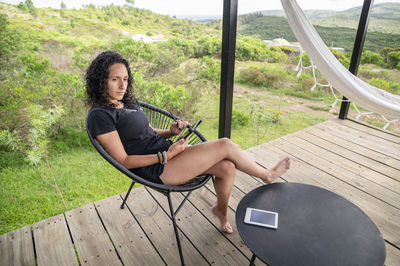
[[367, 96]]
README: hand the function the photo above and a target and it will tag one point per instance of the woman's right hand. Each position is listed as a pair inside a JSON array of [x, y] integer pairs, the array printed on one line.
[[177, 148]]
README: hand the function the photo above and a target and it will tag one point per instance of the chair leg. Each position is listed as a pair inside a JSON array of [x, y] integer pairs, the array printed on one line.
[[175, 227], [127, 195]]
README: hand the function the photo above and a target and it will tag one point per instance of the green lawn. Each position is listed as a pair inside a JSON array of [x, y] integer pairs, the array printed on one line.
[[82, 175]]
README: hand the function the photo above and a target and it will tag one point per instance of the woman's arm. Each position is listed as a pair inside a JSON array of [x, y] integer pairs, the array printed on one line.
[[165, 133], [176, 129], [113, 145]]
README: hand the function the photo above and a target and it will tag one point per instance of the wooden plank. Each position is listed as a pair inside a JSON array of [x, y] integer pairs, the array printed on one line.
[[349, 161], [392, 255], [374, 143], [243, 184], [386, 217], [53, 243], [369, 129], [16, 247], [91, 240], [203, 200], [158, 227], [368, 182], [131, 242], [366, 151], [355, 153], [209, 241]]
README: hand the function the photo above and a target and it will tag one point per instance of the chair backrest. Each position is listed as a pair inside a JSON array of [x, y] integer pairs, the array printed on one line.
[[158, 119]]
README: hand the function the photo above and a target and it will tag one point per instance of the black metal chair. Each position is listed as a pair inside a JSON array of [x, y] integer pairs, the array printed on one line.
[[160, 119]]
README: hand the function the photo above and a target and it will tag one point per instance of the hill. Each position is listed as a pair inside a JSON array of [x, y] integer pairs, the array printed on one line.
[[271, 27], [385, 17], [91, 25]]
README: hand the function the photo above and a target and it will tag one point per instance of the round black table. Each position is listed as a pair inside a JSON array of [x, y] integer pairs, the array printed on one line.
[[315, 227]]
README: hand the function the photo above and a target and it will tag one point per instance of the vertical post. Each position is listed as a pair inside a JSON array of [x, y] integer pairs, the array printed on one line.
[[227, 67], [357, 50]]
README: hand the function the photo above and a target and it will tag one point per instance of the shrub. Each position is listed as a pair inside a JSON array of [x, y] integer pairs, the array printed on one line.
[[211, 69], [385, 85], [264, 77], [10, 41], [369, 57], [134, 51], [239, 119], [394, 59], [341, 57], [168, 97]]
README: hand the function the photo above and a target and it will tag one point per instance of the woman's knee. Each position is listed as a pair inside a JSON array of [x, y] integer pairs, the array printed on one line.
[[227, 143], [228, 167]]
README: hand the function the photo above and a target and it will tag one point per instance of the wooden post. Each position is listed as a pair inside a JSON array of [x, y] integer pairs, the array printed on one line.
[[227, 67]]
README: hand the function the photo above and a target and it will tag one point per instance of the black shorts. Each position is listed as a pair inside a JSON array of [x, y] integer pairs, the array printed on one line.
[[151, 172]]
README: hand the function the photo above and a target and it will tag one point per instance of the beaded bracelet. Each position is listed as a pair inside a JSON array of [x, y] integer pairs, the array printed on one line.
[[160, 158], [164, 155]]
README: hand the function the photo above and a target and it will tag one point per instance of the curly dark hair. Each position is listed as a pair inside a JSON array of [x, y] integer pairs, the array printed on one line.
[[96, 80]]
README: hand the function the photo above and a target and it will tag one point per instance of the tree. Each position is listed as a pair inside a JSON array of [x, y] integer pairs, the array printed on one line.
[[63, 6], [132, 2]]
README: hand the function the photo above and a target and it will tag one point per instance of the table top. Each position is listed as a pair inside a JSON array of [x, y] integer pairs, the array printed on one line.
[[315, 227]]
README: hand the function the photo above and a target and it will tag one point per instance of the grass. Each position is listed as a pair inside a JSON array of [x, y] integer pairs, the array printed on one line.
[[246, 136], [82, 175]]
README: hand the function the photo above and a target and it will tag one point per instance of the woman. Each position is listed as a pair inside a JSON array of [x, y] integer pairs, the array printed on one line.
[[124, 131]]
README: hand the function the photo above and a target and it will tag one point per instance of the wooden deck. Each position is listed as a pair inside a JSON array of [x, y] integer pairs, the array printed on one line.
[[358, 162]]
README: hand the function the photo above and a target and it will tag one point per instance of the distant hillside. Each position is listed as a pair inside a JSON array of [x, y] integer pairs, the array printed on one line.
[[94, 26], [311, 14], [268, 28], [385, 17]]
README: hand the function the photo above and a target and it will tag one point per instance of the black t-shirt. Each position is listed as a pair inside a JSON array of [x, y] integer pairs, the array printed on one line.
[[132, 125]]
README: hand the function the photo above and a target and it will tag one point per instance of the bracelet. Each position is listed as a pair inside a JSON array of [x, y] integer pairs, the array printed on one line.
[[164, 156], [160, 158]]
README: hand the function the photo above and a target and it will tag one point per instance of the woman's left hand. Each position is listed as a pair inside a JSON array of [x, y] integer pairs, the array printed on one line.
[[177, 127]]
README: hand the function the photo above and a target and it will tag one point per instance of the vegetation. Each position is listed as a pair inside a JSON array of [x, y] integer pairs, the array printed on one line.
[[47, 164], [271, 27]]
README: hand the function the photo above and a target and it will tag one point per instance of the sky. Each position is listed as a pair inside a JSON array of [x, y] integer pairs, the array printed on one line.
[[204, 7]]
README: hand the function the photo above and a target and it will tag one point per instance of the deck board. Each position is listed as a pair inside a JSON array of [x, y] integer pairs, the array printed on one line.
[[52, 242], [207, 238], [91, 240], [128, 237], [158, 226], [358, 162], [16, 247]]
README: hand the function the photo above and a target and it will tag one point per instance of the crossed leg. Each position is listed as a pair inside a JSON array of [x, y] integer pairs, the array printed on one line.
[[220, 158]]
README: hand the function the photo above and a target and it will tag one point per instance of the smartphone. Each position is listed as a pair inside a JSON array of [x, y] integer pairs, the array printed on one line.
[[192, 129], [261, 218]]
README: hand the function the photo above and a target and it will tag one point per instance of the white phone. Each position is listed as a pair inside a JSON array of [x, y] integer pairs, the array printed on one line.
[[261, 218]]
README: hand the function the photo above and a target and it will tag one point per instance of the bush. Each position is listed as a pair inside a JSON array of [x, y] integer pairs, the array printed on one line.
[[369, 57], [10, 41], [264, 77], [385, 85], [174, 99], [394, 59], [134, 51], [239, 119], [341, 57], [211, 69], [252, 49]]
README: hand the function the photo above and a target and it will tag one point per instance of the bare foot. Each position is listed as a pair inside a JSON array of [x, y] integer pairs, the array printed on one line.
[[225, 226], [279, 169]]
